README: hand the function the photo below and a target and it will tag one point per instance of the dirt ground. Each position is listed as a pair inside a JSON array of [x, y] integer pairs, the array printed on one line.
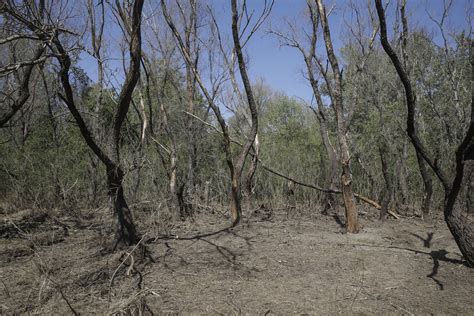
[[271, 264]]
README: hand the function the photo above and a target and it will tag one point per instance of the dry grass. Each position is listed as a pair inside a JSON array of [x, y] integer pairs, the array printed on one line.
[[294, 262]]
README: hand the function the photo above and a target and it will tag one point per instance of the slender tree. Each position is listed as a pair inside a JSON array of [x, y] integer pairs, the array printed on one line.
[[352, 224]]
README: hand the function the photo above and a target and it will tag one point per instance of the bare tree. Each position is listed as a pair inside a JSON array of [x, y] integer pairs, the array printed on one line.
[[235, 168], [110, 155], [236, 181], [352, 225], [457, 223]]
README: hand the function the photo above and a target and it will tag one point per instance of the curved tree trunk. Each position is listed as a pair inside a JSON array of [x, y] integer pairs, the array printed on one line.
[[459, 226]]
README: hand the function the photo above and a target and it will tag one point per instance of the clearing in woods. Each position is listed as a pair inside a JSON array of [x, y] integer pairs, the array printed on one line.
[[297, 265]]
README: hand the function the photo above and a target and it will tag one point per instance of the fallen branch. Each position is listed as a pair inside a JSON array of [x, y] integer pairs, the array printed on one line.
[[279, 174], [393, 214]]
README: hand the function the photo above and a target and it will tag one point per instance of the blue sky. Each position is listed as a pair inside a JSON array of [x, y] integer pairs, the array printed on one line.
[[281, 67]]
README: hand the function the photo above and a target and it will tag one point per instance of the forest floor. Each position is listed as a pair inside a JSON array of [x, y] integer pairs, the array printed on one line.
[[273, 263]]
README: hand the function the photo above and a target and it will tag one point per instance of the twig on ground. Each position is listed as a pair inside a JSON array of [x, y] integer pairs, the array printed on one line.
[[393, 214], [401, 308], [67, 302]]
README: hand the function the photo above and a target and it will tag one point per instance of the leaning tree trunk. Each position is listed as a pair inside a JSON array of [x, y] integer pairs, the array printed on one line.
[[235, 170]]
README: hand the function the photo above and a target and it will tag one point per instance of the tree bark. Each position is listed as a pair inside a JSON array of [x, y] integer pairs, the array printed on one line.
[[125, 231], [459, 226]]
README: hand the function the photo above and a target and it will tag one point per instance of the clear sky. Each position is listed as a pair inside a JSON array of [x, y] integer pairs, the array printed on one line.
[[281, 67]]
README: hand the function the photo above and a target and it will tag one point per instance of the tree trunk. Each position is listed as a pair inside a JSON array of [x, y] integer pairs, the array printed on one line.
[[329, 199], [253, 168], [191, 130], [94, 180], [352, 225], [387, 175], [235, 201], [462, 232], [125, 232], [459, 225], [177, 191], [403, 174], [239, 165], [470, 194], [427, 186]]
